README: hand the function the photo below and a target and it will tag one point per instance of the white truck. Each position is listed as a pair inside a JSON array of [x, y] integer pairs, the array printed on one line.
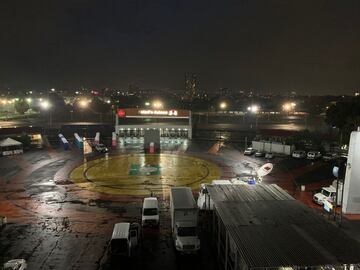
[[329, 194], [184, 220]]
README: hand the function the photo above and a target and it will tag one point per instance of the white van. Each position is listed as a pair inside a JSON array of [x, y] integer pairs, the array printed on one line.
[[150, 212], [125, 236]]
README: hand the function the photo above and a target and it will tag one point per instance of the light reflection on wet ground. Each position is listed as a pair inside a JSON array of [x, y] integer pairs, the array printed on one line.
[[143, 174], [55, 224]]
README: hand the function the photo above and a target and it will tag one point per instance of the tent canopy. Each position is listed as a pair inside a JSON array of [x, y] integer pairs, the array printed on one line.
[[9, 142]]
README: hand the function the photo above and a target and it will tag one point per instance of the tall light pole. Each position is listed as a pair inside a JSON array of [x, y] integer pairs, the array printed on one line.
[[83, 103], [46, 105], [254, 109]]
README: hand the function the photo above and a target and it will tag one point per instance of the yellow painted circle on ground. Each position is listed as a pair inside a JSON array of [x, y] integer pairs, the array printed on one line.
[[141, 174]]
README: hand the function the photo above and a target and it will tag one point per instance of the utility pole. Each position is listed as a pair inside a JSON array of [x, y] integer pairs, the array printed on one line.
[[50, 118]]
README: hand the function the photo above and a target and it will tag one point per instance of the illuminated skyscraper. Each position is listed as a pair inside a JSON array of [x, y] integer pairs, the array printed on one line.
[[191, 85]]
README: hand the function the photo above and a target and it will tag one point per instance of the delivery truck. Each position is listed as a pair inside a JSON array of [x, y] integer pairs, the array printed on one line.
[[184, 220]]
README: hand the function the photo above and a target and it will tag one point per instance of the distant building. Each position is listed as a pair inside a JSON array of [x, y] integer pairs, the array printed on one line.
[[133, 89], [224, 92], [191, 85]]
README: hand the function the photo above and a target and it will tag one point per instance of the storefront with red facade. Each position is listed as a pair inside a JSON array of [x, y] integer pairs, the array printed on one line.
[[133, 122]]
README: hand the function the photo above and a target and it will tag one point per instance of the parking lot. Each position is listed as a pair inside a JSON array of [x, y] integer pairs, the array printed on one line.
[[55, 222]]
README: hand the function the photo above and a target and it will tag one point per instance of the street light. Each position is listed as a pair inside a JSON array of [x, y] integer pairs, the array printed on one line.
[[28, 100], [289, 106], [83, 103], [45, 104], [253, 108], [223, 105], [286, 107], [157, 104], [147, 103]]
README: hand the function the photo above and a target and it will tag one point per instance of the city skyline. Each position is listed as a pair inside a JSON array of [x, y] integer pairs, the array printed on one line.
[[264, 46]]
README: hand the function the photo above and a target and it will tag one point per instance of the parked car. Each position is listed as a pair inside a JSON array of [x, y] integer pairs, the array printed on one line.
[[16, 264], [299, 154], [269, 155], [249, 151], [259, 154], [150, 212], [313, 155], [330, 156], [101, 148]]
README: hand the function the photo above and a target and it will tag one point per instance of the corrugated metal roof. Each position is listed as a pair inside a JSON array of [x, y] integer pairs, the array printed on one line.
[[183, 198], [121, 230], [271, 229]]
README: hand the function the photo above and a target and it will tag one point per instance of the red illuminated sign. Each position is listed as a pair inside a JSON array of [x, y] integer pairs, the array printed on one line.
[[148, 113], [121, 113]]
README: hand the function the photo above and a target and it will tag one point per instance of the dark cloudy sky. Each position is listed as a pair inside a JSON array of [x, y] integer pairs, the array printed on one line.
[[307, 45]]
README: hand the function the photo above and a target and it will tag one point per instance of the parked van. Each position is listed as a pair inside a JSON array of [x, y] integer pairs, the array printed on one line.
[[124, 238], [150, 212], [313, 155]]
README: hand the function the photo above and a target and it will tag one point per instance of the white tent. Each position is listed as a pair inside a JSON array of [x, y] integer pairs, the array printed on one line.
[[10, 147], [9, 142]]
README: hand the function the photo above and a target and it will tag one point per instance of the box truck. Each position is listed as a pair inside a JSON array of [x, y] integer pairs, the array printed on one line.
[[184, 220]]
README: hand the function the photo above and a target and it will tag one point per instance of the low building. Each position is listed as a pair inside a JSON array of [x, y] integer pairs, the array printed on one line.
[[170, 123], [262, 226]]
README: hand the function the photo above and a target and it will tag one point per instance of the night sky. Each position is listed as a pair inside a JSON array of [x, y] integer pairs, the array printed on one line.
[[264, 45]]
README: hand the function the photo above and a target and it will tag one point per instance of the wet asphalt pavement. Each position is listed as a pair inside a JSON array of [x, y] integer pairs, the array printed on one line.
[[54, 224]]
